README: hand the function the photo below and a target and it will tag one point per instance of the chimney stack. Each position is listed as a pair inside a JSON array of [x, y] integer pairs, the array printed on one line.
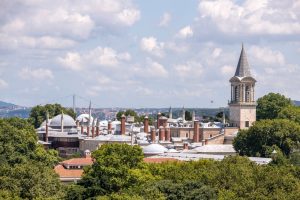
[[168, 134], [97, 128], [158, 116], [153, 135], [109, 126], [146, 124], [81, 126], [93, 128], [161, 133], [185, 146], [123, 127], [196, 131]]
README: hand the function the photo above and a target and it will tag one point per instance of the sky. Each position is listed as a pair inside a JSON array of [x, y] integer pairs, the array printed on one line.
[[137, 53]]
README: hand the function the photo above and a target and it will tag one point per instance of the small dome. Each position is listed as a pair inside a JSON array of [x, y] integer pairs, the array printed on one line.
[[84, 118], [154, 149], [68, 121]]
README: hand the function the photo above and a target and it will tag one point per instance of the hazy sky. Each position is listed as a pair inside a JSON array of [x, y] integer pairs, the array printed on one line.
[[156, 53]]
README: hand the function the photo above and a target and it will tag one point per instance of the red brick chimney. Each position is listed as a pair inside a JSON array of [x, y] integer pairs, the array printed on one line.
[[81, 128], [97, 129], [196, 131], [168, 134], [153, 135], [123, 127], [146, 124], [161, 133], [158, 122], [109, 126], [93, 129], [88, 130], [185, 146]]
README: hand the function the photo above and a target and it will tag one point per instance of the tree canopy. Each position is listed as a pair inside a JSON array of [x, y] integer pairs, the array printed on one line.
[[264, 135], [120, 173], [38, 113], [26, 168], [270, 105]]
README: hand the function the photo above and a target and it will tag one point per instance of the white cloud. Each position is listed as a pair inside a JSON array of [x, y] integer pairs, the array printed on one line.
[[165, 20], [190, 69], [72, 61], [151, 45], [152, 69], [227, 70], [252, 16], [267, 55], [99, 56], [35, 74], [185, 32], [3, 84], [129, 16], [216, 53]]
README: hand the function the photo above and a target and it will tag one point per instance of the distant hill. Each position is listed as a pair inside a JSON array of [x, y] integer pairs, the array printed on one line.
[[296, 103], [5, 104]]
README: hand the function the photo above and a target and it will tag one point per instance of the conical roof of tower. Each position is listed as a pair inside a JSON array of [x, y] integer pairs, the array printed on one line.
[[243, 68]]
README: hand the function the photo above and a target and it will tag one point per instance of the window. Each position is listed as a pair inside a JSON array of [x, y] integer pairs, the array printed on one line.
[[236, 93], [247, 94], [247, 124]]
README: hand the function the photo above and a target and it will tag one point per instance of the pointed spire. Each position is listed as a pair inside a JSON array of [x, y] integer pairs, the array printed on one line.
[[243, 69]]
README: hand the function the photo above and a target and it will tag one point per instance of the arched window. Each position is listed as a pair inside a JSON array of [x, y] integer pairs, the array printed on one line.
[[236, 93], [247, 93]]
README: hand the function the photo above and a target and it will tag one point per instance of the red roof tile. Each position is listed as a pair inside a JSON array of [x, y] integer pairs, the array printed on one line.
[[67, 173], [158, 160], [79, 161]]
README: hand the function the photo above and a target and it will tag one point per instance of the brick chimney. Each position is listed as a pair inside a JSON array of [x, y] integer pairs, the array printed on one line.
[[158, 122], [109, 126], [146, 124], [185, 146], [88, 130], [123, 127], [97, 128], [168, 134], [196, 131], [161, 133], [81, 127], [153, 135], [93, 128]]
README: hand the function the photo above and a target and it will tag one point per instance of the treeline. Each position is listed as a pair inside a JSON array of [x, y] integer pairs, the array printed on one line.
[[120, 173]]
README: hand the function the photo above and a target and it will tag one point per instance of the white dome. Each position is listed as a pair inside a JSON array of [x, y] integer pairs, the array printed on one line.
[[104, 123], [154, 149], [68, 121], [84, 118]]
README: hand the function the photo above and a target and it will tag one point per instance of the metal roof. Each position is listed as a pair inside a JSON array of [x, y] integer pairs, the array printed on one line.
[[243, 68]]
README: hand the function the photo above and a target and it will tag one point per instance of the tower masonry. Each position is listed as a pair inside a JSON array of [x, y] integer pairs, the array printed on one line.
[[242, 106]]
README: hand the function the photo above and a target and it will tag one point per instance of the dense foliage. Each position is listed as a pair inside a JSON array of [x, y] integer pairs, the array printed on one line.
[[26, 169], [265, 135], [120, 173], [38, 113], [270, 105]]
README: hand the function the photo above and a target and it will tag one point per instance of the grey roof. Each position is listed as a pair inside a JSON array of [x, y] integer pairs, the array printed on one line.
[[68, 121], [243, 68]]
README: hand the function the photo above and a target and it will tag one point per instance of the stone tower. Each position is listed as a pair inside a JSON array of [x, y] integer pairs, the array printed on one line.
[[242, 106]]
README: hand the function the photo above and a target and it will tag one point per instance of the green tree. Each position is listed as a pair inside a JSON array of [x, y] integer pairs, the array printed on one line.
[[291, 113], [26, 168], [128, 112], [113, 169], [259, 140], [270, 105], [188, 115], [38, 113]]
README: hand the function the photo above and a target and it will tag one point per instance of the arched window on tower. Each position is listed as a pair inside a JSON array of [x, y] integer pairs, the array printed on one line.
[[247, 93], [236, 93]]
